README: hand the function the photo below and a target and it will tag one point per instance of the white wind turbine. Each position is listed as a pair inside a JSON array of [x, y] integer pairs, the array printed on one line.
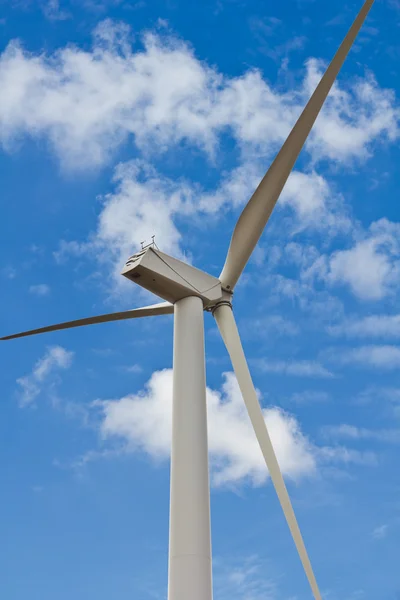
[[188, 292]]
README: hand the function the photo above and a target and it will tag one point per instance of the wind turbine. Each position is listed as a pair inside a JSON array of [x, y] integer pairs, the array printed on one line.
[[187, 292]]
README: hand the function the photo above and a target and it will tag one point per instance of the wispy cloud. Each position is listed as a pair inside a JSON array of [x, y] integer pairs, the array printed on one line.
[[297, 368], [380, 357], [347, 455], [132, 368], [351, 432], [387, 398], [371, 394], [244, 578], [309, 397], [52, 11], [380, 532], [274, 324], [54, 359], [9, 272], [41, 289], [267, 33], [371, 326]]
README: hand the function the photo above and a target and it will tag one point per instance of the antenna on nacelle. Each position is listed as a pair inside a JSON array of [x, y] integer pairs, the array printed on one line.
[[152, 244]]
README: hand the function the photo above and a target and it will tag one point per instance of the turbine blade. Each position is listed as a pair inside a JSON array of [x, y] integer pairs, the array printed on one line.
[[164, 308], [256, 213], [227, 326]]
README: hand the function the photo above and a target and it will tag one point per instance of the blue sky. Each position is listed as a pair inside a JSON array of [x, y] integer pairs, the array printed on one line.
[[120, 120]]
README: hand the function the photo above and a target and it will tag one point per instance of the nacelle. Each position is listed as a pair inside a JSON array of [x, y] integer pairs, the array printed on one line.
[[170, 278]]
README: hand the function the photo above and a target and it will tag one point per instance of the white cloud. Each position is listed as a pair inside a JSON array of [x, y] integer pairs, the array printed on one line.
[[351, 119], [143, 422], [380, 357], [31, 385], [371, 326], [371, 268], [314, 204], [300, 368], [88, 102], [306, 192], [363, 268], [41, 289], [308, 195], [139, 209], [146, 203]]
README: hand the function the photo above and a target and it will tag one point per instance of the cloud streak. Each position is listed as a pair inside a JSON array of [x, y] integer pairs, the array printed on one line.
[[384, 358], [56, 358], [373, 326], [296, 368]]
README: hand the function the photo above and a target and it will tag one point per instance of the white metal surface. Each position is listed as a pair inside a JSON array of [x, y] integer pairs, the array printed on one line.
[[163, 308], [171, 278], [190, 567], [256, 213], [230, 334]]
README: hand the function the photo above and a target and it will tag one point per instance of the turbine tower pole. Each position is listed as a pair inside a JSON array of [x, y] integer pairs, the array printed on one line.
[[190, 564]]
